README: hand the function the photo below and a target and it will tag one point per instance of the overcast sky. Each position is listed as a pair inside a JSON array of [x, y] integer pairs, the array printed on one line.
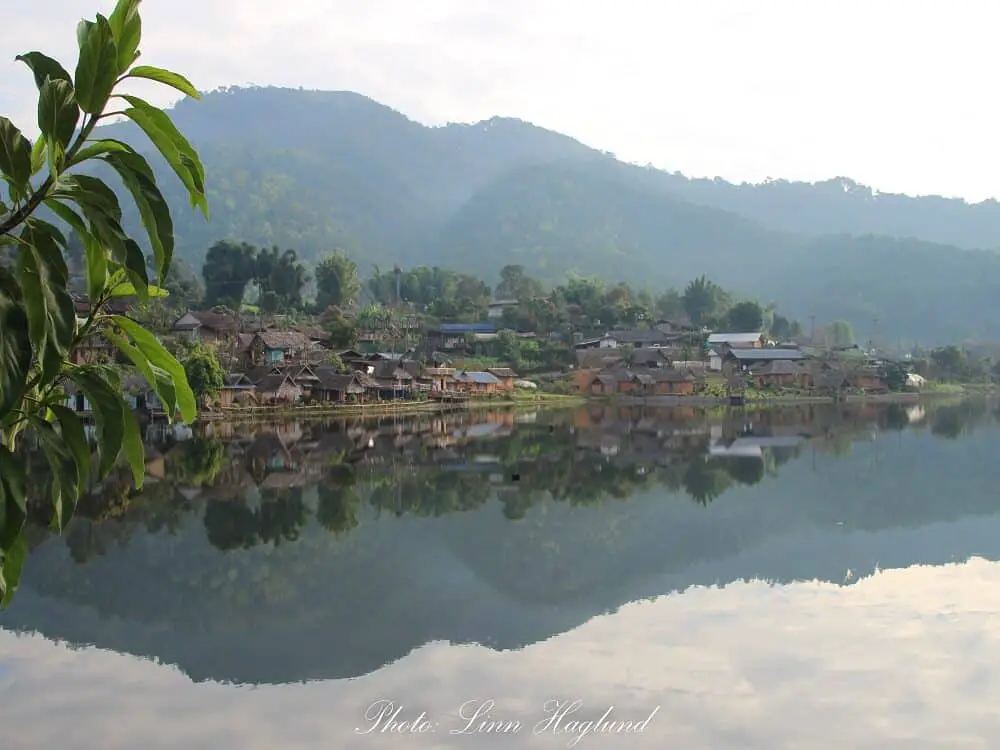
[[898, 94]]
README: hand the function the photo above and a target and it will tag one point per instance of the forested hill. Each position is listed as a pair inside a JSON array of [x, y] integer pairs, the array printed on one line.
[[319, 170]]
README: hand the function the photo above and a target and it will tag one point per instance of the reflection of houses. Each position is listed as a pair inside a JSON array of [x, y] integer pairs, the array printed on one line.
[[752, 446]]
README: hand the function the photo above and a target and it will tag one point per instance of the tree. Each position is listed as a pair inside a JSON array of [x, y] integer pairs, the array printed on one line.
[[745, 317], [516, 284], [228, 268], [700, 299], [280, 277], [840, 334], [204, 373], [336, 280], [38, 324]]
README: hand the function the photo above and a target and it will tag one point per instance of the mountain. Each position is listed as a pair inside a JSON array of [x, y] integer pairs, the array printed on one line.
[[318, 170]]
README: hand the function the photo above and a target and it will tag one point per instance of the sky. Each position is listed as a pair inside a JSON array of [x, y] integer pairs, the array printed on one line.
[[896, 94]]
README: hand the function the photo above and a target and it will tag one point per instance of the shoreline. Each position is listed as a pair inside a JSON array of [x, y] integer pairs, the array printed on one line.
[[547, 400], [391, 408]]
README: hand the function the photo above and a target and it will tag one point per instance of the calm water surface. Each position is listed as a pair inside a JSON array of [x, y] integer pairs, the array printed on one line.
[[804, 578]]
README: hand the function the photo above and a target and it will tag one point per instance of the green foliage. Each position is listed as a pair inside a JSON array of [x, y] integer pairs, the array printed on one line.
[[230, 268], [336, 280], [38, 325], [204, 373], [745, 317]]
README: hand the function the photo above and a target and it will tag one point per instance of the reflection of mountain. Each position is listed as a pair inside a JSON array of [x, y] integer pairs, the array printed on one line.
[[326, 606]]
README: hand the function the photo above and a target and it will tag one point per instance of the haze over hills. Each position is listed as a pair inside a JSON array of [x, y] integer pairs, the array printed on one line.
[[319, 170]]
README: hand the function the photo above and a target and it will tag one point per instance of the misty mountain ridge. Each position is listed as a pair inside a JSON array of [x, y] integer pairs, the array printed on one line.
[[316, 170]]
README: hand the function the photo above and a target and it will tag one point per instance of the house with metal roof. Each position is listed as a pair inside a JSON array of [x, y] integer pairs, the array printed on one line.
[[478, 383], [745, 359], [736, 339]]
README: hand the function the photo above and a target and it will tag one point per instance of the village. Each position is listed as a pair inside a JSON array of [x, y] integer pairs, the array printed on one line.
[[275, 363]]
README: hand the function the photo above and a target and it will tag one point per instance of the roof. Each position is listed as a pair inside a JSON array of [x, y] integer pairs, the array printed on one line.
[[349, 383], [273, 382], [780, 367], [467, 328], [503, 302], [502, 372], [284, 339], [765, 355], [208, 319], [484, 378], [236, 380], [734, 338], [632, 336], [387, 370]]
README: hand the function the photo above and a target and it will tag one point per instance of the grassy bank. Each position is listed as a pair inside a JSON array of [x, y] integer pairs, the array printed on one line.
[[389, 408]]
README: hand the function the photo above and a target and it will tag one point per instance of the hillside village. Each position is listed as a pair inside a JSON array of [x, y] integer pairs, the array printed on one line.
[[275, 362]]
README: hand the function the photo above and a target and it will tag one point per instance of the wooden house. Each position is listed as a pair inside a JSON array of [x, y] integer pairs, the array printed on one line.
[[745, 359], [737, 340], [269, 347], [339, 388], [216, 329], [439, 379], [393, 381], [477, 383], [236, 389], [781, 374], [278, 388], [505, 375]]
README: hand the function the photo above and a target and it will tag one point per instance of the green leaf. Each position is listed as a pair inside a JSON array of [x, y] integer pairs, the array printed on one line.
[[127, 289], [12, 517], [97, 254], [15, 354], [58, 112], [126, 28], [65, 483], [132, 447], [135, 265], [15, 154], [97, 69], [174, 80], [38, 152], [174, 147], [13, 565], [99, 148], [138, 178], [103, 390], [156, 377], [44, 67], [75, 438], [157, 355], [94, 192], [43, 276]]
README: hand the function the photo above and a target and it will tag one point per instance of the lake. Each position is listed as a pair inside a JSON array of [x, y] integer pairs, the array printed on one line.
[[814, 577]]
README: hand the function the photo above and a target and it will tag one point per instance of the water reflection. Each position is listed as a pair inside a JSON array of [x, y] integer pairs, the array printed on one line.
[[901, 660], [278, 553]]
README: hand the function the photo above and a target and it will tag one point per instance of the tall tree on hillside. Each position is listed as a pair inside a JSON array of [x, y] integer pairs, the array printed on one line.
[[336, 280], [229, 267], [701, 299], [745, 317], [516, 284]]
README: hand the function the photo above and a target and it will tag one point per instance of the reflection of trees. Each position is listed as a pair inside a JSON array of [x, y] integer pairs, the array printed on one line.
[[748, 470], [198, 461], [205, 481], [704, 481]]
